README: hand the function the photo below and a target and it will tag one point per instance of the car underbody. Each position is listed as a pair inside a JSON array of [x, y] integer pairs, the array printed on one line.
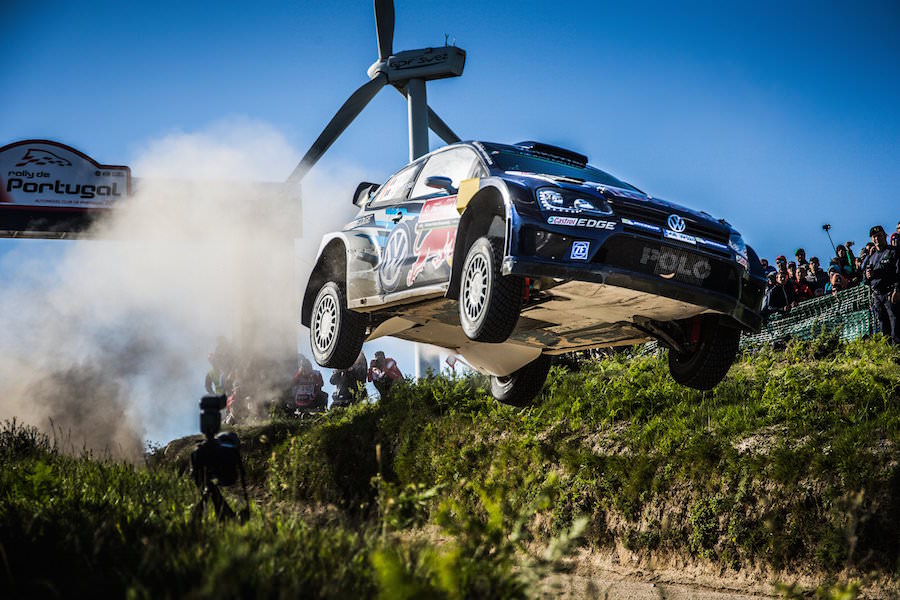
[[571, 315]]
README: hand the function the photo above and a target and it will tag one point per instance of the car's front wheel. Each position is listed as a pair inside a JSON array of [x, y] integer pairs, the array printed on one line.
[[336, 333], [521, 387], [707, 363], [489, 303]]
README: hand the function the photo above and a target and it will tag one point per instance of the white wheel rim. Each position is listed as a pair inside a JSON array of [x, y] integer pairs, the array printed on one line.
[[475, 286], [325, 323]]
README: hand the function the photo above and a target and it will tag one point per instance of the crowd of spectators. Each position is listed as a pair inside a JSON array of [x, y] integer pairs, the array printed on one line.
[[256, 389], [790, 282]]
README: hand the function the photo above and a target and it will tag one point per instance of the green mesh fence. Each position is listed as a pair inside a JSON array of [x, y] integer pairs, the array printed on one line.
[[847, 313]]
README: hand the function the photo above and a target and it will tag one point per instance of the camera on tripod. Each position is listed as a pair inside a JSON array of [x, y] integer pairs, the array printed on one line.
[[217, 460]]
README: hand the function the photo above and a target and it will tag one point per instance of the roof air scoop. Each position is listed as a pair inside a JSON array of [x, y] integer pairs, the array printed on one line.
[[554, 152]]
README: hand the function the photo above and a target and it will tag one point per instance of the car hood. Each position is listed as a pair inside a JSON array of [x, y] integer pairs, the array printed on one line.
[[621, 195]]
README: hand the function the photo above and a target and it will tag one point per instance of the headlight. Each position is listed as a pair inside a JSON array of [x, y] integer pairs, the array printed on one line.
[[558, 200], [736, 243]]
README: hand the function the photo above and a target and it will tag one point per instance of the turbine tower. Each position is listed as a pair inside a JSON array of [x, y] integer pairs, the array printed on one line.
[[407, 71]]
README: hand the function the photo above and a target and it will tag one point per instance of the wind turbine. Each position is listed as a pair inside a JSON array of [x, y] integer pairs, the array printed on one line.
[[407, 71]]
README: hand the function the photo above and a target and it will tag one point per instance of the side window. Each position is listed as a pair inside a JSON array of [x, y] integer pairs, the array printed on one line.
[[397, 187], [457, 164]]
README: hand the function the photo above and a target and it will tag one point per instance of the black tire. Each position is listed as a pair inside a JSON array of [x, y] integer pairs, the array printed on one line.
[[489, 303], [522, 386], [707, 365], [336, 334]]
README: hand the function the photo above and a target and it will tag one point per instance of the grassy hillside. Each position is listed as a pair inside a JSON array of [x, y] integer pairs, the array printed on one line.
[[789, 467]]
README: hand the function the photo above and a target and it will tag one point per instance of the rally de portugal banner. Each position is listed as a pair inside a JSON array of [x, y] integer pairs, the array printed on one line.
[[40, 174]]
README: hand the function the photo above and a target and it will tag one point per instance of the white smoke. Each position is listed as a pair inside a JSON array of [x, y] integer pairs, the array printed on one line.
[[108, 338]]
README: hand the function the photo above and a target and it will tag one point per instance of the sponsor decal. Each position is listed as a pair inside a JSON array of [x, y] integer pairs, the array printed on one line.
[[438, 212], [681, 237], [433, 246], [580, 250], [676, 223], [361, 221], [712, 244], [578, 222], [41, 173], [743, 262], [669, 263], [641, 225], [395, 251]]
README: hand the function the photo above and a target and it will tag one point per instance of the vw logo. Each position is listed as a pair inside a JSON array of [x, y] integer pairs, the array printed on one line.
[[395, 251], [676, 223]]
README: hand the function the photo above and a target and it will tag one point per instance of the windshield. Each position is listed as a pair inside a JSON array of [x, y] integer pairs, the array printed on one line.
[[509, 160]]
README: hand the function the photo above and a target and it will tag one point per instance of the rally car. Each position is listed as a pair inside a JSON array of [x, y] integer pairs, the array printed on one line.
[[508, 254]]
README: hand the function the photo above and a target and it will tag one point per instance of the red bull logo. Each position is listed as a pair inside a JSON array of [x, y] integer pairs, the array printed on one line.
[[434, 246]]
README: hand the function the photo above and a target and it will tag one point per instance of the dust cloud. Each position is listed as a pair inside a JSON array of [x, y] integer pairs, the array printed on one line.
[[105, 341]]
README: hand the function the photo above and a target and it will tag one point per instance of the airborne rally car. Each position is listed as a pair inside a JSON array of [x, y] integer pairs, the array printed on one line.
[[507, 254]]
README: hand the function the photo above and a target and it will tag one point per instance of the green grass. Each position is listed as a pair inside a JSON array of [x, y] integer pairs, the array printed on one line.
[[791, 463]]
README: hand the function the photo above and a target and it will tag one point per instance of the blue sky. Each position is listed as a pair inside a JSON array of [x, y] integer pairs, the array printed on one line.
[[779, 116]]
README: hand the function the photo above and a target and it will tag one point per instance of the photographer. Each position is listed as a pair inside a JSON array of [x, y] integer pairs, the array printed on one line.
[[306, 388], [383, 372], [347, 383], [881, 270]]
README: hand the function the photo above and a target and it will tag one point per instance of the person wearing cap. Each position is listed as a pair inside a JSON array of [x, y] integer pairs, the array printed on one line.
[[800, 255], [895, 239], [881, 270], [383, 371]]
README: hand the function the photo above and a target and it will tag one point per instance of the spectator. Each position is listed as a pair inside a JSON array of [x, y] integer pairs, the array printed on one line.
[[347, 383], [800, 255], [778, 298], [780, 263], [816, 270], [836, 281], [802, 289], [895, 240], [844, 262], [882, 272], [383, 372], [767, 268], [306, 388], [215, 382]]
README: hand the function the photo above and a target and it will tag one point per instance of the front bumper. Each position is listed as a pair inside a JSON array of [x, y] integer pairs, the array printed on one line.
[[627, 259]]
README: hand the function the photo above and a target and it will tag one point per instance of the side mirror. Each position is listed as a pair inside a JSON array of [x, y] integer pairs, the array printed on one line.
[[363, 193], [440, 183]]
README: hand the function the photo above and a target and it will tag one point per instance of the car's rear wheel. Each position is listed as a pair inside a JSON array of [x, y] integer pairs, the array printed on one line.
[[489, 303], [336, 333], [521, 387], [704, 366]]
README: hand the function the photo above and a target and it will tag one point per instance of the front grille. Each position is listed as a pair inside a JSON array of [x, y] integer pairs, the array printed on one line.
[[671, 263], [658, 217]]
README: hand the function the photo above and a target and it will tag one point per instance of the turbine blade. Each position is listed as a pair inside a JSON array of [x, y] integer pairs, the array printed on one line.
[[384, 27], [435, 123], [441, 129], [344, 116]]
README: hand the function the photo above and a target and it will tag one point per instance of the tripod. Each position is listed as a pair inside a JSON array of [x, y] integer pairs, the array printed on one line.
[[215, 462]]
